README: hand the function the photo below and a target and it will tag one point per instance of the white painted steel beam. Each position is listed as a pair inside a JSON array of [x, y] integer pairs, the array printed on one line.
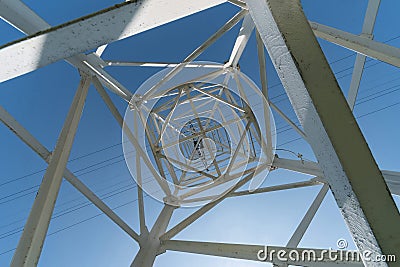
[[252, 252], [393, 181], [93, 65], [160, 64], [204, 209], [197, 52], [202, 131], [89, 32], [307, 167], [45, 154], [17, 14], [288, 120], [368, 27], [142, 217], [306, 221], [219, 99], [238, 3], [266, 189], [347, 164], [168, 118], [262, 64], [30, 245], [264, 89], [238, 147], [275, 188], [241, 41], [355, 80], [392, 178], [28, 22], [118, 117], [359, 44], [224, 179], [150, 247]]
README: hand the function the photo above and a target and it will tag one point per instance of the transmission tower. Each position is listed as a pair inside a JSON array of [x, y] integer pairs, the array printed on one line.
[[205, 131]]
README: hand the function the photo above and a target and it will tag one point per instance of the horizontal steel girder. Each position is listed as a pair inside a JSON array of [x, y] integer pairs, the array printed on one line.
[[89, 32], [252, 252], [392, 178], [359, 44]]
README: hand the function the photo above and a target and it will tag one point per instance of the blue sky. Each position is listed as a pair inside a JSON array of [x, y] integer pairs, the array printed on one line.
[[40, 101]]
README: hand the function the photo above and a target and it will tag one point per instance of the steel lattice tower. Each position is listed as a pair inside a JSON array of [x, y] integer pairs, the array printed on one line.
[[203, 148]]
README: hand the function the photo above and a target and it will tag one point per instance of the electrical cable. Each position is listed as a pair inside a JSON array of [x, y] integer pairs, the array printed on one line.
[[103, 149]]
